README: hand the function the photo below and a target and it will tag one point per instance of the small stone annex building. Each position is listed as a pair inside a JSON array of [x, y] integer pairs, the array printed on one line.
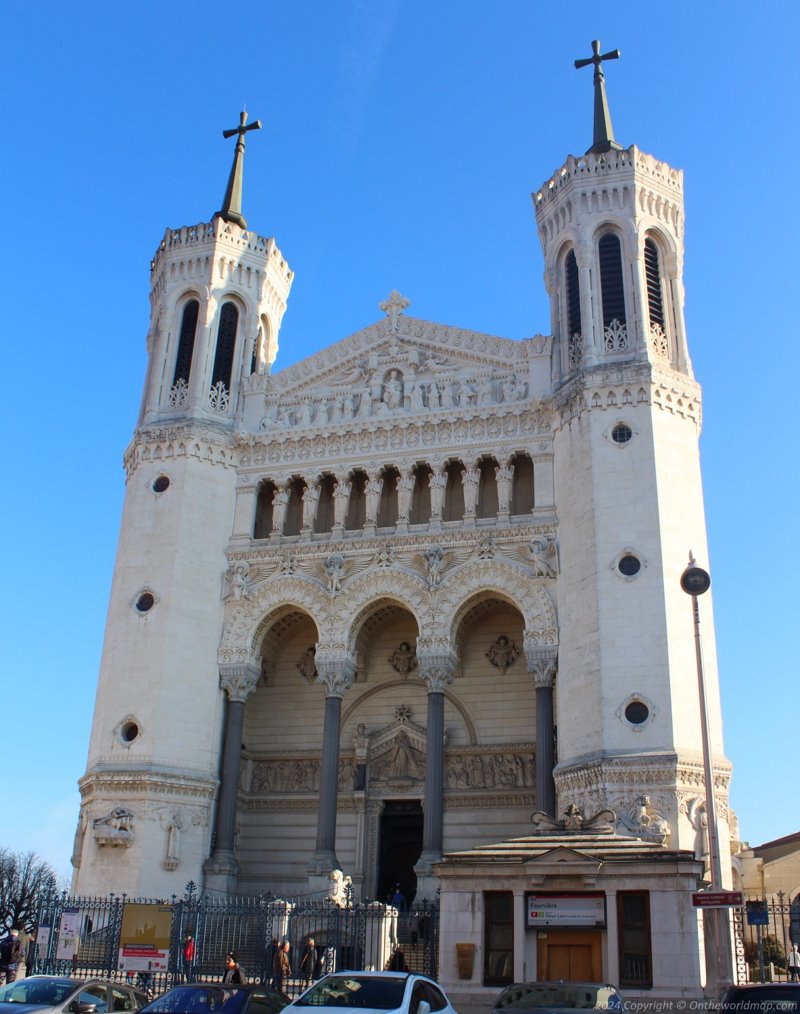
[[378, 606]]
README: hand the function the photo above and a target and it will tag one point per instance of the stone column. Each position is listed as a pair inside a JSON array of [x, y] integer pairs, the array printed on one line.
[[336, 675], [438, 672], [221, 870], [542, 664], [591, 319], [244, 514], [198, 392]]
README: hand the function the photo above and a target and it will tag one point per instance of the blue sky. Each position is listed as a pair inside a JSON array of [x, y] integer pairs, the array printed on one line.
[[401, 142]]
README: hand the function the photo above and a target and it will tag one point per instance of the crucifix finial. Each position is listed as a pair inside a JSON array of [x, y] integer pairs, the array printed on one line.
[[603, 131], [232, 205]]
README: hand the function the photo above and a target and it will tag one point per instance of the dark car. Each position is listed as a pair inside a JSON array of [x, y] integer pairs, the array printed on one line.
[[214, 997], [544, 997], [770, 996], [61, 994]]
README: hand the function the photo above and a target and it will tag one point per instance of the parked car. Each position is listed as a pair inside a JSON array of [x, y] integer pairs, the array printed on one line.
[[213, 997], [541, 997], [60, 994], [771, 997], [401, 992]]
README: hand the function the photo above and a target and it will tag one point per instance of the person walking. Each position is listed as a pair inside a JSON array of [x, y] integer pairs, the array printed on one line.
[[234, 973], [281, 968], [11, 955], [793, 963], [308, 962]]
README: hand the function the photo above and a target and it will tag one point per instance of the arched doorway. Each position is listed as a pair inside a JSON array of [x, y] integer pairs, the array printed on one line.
[[399, 848]]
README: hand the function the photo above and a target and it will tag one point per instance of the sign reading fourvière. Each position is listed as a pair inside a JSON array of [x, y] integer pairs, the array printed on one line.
[[565, 909]]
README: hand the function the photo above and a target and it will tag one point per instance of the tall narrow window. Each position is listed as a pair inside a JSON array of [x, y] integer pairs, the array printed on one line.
[[498, 908], [357, 507], [226, 339], [487, 490], [324, 519], [615, 334], [421, 497], [454, 493], [574, 329], [294, 509], [635, 952], [522, 489], [387, 508], [179, 392], [655, 298]]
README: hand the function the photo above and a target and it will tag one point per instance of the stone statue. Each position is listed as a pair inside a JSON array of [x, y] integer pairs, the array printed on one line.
[[470, 480], [393, 307], [310, 503], [280, 503], [417, 397], [502, 653], [238, 582], [373, 491], [434, 557], [340, 887], [341, 499], [308, 664], [393, 391], [116, 828], [405, 489], [437, 482], [334, 566], [404, 659], [505, 477], [544, 556]]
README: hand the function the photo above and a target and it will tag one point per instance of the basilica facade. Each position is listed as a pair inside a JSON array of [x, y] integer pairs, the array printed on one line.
[[376, 607]]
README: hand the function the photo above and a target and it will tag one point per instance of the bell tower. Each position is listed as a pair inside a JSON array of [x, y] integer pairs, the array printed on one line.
[[218, 295], [628, 483]]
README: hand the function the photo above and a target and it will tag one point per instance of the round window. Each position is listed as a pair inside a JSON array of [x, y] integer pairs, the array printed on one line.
[[160, 484], [621, 433], [629, 565], [637, 712], [129, 732], [145, 602]]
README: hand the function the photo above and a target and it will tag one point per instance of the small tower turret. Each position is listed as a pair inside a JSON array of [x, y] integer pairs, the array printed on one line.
[[218, 296]]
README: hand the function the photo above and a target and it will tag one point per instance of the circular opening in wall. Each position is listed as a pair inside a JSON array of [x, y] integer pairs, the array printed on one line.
[[629, 565], [637, 712], [160, 484], [145, 602], [129, 732], [621, 433]]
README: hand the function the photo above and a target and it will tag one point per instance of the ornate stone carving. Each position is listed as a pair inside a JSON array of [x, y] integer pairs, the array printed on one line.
[[402, 761], [643, 821], [116, 828], [502, 653], [334, 565], [542, 664], [404, 658], [239, 681], [573, 820], [340, 890], [437, 670], [336, 675], [307, 665], [237, 582], [544, 556], [489, 770], [393, 306], [434, 559]]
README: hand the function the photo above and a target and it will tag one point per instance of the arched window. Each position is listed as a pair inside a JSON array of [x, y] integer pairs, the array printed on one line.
[[183, 362], [487, 490], [522, 489], [263, 525], [573, 294], [454, 493], [655, 297], [226, 340], [612, 287]]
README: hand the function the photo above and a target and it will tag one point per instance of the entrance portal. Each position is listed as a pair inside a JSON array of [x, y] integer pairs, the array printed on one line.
[[400, 846], [571, 955]]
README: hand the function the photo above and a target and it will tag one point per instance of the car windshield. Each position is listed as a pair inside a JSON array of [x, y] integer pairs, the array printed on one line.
[[41, 991], [763, 998], [581, 995], [360, 991], [191, 1000]]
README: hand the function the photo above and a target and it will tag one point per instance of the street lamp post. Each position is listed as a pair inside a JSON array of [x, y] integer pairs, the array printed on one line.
[[719, 970]]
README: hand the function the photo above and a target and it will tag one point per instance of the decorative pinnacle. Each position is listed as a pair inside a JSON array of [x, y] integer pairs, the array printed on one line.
[[232, 205], [603, 131]]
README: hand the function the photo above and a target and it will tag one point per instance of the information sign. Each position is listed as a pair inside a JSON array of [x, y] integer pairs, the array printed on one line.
[[565, 909], [144, 938], [717, 899]]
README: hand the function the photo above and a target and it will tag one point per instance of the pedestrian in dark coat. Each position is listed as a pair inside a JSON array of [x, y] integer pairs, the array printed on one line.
[[234, 973], [281, 967], [11, 954]]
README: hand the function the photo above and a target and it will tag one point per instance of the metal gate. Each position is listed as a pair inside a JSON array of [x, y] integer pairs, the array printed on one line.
[[356, 936], [767, 929]]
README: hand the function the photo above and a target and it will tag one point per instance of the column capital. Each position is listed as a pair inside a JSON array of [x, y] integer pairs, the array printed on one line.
[[335, 674], [239, 681], [438, 670], [542, 664]]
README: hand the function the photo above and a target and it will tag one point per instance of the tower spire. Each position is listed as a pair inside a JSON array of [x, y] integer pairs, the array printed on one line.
[[232, 205], [603, 131]]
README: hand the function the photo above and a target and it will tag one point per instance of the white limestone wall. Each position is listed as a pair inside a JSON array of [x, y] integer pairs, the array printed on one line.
[[159, 669]]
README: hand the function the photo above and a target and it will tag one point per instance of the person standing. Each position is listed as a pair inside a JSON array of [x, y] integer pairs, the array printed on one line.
[[234, 973], [269, 961], [187, 954], [11, 955], [793, 963], [281, 968]]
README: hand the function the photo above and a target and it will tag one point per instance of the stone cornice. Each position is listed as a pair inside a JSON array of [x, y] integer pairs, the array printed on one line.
[[105, 781], [161, 444]]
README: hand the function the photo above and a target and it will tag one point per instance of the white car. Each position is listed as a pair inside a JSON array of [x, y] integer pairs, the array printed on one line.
[[376, 992]]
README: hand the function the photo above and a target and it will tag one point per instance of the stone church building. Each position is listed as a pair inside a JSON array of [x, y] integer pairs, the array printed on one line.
[[376, 607]]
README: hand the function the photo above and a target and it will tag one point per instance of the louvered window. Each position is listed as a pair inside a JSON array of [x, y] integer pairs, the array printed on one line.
[[573, 295], [652, 270], [226, 339], [611, 280], [183, 364]]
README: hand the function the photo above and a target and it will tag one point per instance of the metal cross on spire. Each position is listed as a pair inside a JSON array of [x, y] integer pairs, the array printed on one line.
[[232, 205], [603, 131]]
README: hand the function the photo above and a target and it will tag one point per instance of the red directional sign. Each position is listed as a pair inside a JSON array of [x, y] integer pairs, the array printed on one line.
[[717, 899]]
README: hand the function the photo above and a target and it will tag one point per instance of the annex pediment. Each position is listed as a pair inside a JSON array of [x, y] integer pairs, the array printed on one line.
[[398, 366]]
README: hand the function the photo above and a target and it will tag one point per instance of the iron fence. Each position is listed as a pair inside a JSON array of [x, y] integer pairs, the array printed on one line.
[[765, 931], [82, 936]]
